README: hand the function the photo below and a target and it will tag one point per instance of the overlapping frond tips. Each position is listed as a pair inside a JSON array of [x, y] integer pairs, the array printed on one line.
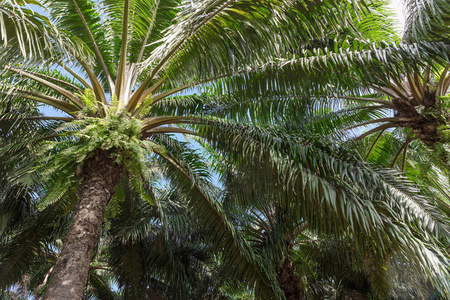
[[210, 34], [29, 37], [427, 20], [83, 20], [334, 181], [25, 34]]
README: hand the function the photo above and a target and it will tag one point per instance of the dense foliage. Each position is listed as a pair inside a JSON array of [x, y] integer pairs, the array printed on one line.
[[201, 149]]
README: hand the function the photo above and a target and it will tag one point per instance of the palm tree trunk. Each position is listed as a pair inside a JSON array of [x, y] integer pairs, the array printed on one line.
[[99, 177], [289, 283]]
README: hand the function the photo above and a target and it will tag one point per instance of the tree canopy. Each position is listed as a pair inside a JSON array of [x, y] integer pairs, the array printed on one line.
[[112, 188]]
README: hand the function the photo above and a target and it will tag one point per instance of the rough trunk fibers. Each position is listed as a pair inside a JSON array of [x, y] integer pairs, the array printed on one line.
[[289, 283], [100, 175]]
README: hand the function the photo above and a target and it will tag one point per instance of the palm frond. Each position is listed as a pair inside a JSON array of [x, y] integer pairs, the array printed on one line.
[[248, 266], [82, 19], [427, 20], [25, 34]]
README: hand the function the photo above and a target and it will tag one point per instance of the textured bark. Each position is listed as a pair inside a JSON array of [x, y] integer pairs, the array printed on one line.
[[100, 174], [289, 283], [424, 125]]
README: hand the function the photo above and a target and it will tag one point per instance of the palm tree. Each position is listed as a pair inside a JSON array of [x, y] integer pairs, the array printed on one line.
[[305, 252], [117, 74], [409, 94], [148, 242], [413, 102], [420, 105], [415, 106]]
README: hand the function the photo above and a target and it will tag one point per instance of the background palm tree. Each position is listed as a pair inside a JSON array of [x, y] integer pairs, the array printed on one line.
[[420, 107], [409, 93], [415, 107], [284, 234]]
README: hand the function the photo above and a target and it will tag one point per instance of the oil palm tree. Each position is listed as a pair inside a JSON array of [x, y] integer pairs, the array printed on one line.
[[416, 106], [148, 245], [410, 101], [279, 224], [401, 86], [117, 73], [147, 250], [408, 94]]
